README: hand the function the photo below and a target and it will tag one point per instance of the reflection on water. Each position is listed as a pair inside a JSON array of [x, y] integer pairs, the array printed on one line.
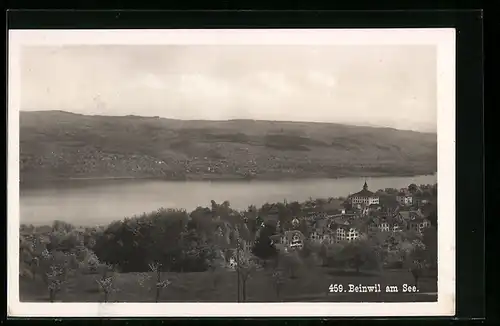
[[93, 202]]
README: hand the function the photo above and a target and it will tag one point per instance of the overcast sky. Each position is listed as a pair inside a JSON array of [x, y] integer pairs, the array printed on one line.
[[391, 86]]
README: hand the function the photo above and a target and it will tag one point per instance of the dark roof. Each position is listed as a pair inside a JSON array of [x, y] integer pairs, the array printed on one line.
[[364, 193], [405, 214], [273, 210], [289, 234], [275, 238], [270, 219], [389, 199], [377, 213], [319, 224], [43, 229], [333, 204], [424, 195], [339, 221], [418, 219], [391, 220], [347, 227]]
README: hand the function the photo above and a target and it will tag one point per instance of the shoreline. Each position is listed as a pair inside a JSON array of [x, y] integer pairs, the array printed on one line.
[[222, 178]]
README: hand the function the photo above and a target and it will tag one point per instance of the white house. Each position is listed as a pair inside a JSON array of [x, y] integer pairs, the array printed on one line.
[[293, 239], [365, 197], [418, 224], [405, 199]]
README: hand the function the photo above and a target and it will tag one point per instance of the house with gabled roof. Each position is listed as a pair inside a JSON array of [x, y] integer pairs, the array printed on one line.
[[344, 229], [405, 198], [417, 221], [423, 199], [321, 232], [391, 224], [247, 239], [291, 240]]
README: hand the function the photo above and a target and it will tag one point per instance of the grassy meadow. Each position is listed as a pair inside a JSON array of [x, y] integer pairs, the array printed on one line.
[[310, 284]]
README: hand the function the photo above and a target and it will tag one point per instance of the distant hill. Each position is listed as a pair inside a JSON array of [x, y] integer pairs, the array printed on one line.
[[57, 144]]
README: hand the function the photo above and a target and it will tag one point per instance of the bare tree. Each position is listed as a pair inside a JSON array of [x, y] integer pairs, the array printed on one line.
[[159, 283], [56, 269], [55, 281], [278, 282], [106, 282], [246, 265]]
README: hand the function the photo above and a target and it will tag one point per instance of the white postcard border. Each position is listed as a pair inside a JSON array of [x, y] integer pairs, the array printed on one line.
[[443, 39]]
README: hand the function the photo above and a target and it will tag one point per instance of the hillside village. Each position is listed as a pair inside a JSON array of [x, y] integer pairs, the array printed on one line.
[[361, 215]]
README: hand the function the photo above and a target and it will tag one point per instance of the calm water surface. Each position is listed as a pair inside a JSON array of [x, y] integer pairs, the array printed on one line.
[[94, 202]]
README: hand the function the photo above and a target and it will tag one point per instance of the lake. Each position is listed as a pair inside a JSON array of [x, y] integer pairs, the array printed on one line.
[[91, 202]]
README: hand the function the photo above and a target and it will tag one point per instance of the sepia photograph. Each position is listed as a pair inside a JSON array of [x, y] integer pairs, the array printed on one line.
[[231, 172]]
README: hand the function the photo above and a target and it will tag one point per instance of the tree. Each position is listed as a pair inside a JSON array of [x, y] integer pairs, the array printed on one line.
[[278, 282], [284, 213], [55, 281], [134, 242], [323, 254], [62, 226], [434, 190], [362, 253], [416, 270], [416, 260], [246, 265], [391, 243], [214, 265], [199, 220], [158, 282], [214, 207], [320, 202], [107, 282], [432, 213], [291, 262], [412, 188], [391, 191], [264, 248], [429, 240], [306, 251], [295, 208], [30, 249], [56, 267], [303, 227]]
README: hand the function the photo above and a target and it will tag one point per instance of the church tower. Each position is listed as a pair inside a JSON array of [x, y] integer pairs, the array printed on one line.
[[365, 186]]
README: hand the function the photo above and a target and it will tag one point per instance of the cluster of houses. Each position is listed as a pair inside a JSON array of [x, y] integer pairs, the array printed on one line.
[[363, 213]]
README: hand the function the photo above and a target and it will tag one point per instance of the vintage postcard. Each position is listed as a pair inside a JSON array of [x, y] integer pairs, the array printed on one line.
[[231, 173]]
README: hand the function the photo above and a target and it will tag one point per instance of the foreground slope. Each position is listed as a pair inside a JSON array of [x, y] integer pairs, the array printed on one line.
[[57, 144]]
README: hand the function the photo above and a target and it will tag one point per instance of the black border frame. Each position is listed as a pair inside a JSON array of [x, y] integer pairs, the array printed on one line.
[[470, 217]]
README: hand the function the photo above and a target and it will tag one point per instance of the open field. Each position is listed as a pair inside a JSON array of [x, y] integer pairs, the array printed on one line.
[[57, 144], [311, 284]]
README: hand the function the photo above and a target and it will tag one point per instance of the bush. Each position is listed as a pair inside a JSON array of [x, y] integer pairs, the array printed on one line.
[[361, 254], [162, 236], [332, 255]]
